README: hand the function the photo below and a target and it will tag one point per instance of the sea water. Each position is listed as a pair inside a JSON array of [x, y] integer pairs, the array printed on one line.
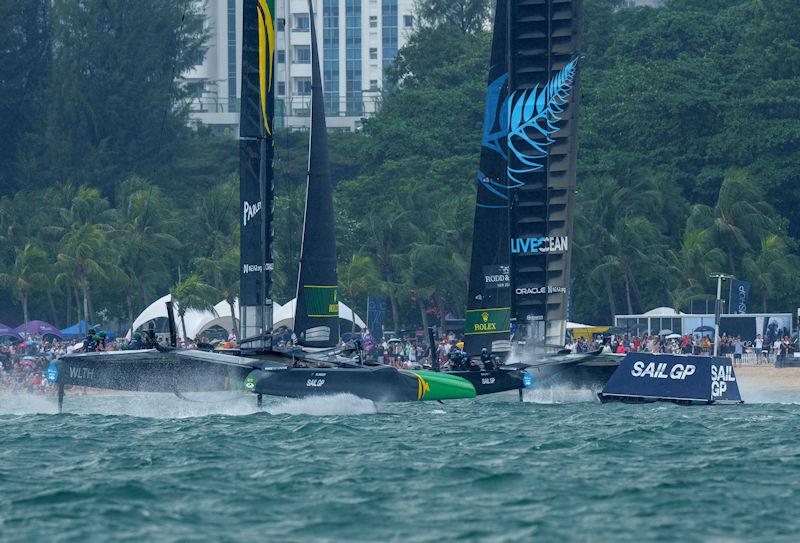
[[561, 467]]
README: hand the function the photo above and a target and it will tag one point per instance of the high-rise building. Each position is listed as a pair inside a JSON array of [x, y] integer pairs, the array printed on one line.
[[358, 39]]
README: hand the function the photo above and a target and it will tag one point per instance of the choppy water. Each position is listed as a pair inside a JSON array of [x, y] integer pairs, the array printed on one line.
[[156, 468]]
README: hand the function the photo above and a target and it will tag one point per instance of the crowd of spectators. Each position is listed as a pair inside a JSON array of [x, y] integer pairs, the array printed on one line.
[[23, 364], [765, 349]]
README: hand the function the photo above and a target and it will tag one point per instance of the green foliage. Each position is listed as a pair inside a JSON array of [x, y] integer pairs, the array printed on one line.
[[464, 15], [193, 293], [688, 163]]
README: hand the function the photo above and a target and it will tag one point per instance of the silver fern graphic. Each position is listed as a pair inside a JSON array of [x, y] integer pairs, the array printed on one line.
[[532, 118]]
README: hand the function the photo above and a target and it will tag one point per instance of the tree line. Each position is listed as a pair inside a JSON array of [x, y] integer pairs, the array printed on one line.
[[688, 163]]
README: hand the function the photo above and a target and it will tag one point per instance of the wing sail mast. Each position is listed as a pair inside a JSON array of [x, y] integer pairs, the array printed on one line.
[[256, 150], [542, 141], [316, 319], [520, 268]]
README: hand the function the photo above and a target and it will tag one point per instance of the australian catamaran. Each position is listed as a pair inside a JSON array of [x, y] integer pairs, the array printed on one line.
[[314, 367]]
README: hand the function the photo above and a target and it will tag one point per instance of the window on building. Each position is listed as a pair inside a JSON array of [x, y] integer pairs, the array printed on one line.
[[373, 21], [281, 24], [373, 84], [408, 21], [281, 56], [302, 23], [281, 88], [302, 54], [373, 53], [303, 86]]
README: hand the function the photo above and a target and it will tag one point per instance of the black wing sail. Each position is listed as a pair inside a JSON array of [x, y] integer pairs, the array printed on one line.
[[542, 143], [255, 172], [489, 298], [316, 319]]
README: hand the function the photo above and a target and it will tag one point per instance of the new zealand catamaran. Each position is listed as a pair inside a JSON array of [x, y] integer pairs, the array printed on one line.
[[520, 270]]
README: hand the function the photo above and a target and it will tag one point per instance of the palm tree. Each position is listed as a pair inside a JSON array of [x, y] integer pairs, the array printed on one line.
[[27, 274], [355, 279], [387, 240], [193, 293], [741, 219], [141, 233], [772, 270], [84, 257], [222, 273]]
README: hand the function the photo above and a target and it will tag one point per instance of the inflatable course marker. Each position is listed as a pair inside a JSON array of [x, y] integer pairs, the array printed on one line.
[[645, 377]]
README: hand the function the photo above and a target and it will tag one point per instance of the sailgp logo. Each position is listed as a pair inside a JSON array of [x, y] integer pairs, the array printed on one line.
[[557, 244], [249, 211]]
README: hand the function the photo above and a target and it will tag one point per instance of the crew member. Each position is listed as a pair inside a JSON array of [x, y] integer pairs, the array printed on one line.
[[150, 336], [471, 364], [136, 343], [456, 357], [101, 341], [89, 342], [487, 360]]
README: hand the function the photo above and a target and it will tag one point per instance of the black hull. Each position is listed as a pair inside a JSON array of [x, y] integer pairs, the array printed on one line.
[[381, 384], [153, 371], [493, 381], [574, 371]]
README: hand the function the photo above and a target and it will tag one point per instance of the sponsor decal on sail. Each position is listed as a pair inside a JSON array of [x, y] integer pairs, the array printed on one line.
[[545, 244], [255, 268], [521, 291], [488, 321], [321, 301], [496, 276], [249, 211]]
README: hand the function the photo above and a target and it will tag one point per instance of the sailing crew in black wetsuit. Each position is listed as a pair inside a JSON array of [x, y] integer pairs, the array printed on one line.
[[455, 359], [101, 341], [487, 360], [89, 342], [149, 338], [136, 343]]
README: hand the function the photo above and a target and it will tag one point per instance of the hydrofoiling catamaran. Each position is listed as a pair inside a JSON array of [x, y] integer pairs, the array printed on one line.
[[315, 366], [520, 269]]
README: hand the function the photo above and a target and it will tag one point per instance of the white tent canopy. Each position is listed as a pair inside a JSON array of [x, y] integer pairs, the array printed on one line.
[[662, 312], [196, 321], [284, 316]]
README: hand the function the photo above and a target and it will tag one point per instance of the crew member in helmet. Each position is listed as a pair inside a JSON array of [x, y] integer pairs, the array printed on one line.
[[136, 342], [457, 362], [150, 340], [487, 360], [101, 341], [89, 342]]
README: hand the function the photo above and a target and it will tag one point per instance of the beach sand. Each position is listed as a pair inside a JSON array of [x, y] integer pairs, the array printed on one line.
[[767, 384]]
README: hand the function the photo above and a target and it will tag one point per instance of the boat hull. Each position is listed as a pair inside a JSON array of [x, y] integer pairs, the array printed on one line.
[[493, 381], [574, 371], [150, 370], [380, 384]]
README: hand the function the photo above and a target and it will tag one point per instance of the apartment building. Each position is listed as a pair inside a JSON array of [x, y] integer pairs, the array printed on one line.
[[357, 40]]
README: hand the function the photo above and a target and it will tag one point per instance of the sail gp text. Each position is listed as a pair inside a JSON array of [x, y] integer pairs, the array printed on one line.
[[317, 381], [720, 377], [658, 371]]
